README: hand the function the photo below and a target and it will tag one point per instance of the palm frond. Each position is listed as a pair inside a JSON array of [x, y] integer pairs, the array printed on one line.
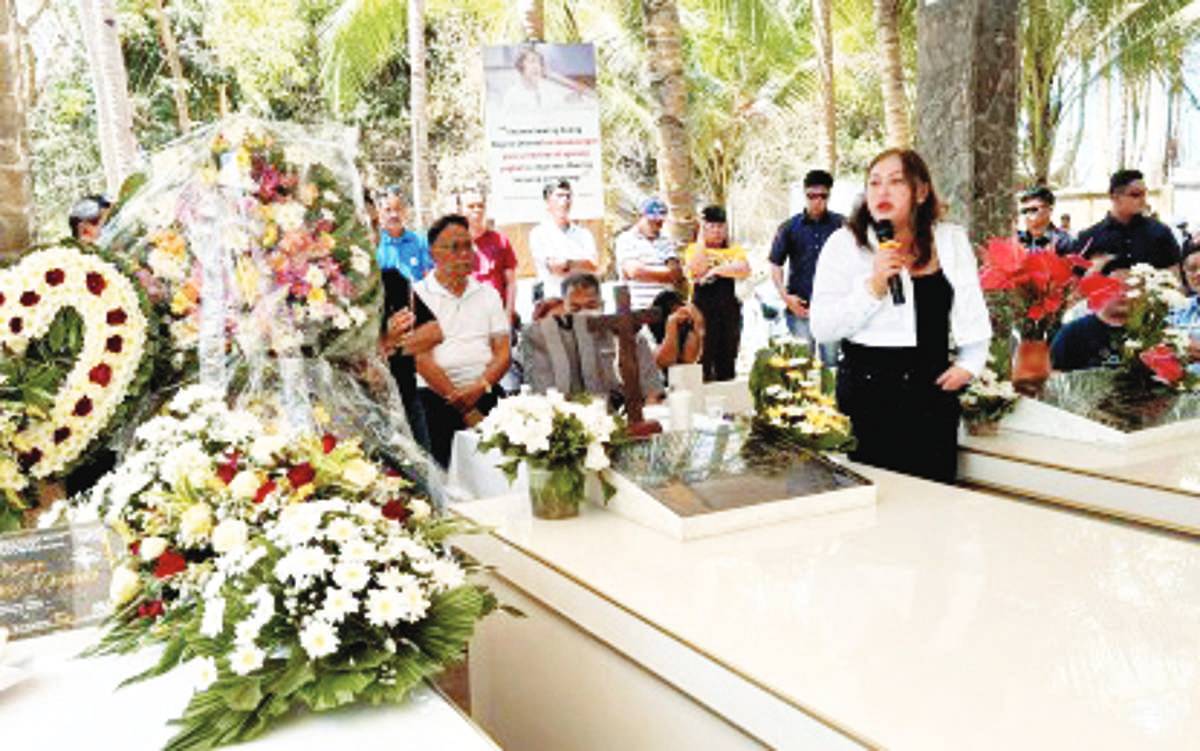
[[356, 41]]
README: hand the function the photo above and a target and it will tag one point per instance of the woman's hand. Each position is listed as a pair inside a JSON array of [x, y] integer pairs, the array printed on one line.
[[888, 262], [954, 378]]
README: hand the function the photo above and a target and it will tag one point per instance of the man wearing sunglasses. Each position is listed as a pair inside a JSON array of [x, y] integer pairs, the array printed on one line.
[[798, 244], [1040, 234], [1127, 231]]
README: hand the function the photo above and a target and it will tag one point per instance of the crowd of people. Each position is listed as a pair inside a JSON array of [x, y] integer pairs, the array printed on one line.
[[904, 321]]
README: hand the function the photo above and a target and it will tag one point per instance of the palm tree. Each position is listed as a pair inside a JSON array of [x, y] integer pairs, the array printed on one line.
[[418, 111], [1067, 44], [171, 53], [895, 100], [16, 204], [664, 52], [533, 19], [823, 41], [114, 111], [111, 83]]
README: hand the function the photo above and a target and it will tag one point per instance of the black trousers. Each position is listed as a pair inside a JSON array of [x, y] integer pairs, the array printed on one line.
[[442, 421], [722, 334], [901, 418]]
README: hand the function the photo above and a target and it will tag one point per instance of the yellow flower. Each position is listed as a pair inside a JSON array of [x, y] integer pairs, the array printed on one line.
[[303, 492], [181, 302], [271, 235], [247, 279], [777, 361], [320, 414], [243, 158], [316, 296]]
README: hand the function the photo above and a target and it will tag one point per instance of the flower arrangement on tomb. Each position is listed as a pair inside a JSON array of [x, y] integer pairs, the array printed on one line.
[[986, 400], [264, 208], [284, 572], [793, 401], [559, 439], [74, 361], [1151, 351], [1032, 287]]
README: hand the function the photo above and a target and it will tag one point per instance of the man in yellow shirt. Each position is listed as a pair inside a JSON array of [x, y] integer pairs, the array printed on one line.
[[713, 266]]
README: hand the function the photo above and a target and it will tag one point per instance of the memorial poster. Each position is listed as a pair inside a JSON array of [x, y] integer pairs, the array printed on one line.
[[542, 122], [55, 578]]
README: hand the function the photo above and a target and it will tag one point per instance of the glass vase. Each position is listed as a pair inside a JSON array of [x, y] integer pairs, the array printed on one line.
[[1031, 366], [555, 492]]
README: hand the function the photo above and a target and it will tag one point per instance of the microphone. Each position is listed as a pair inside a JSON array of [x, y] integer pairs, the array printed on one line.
[[886, 234]]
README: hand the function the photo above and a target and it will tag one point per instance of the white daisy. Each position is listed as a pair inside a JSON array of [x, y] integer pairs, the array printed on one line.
[[246, 659], [319, 639]]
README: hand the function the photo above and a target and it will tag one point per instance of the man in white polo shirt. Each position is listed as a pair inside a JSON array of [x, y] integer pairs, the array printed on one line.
[[459, 376], [559, 246], [646, 260]]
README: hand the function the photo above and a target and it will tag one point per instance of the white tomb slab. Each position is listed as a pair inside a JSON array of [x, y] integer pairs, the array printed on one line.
[[939, 619], [1040, 418], [66, 702]]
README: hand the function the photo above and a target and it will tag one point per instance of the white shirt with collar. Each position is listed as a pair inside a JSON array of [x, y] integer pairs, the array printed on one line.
[[547, 241], [843, 306], [468, 323]]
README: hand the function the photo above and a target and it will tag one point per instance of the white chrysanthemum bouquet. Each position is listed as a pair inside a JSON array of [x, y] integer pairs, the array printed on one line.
[[283, 572]]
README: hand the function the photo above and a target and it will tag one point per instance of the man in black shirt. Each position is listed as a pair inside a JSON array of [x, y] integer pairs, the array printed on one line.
[[409, 328], [798, 243], [1127, 231]]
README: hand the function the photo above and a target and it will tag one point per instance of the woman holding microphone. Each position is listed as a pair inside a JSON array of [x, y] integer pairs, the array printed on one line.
[[898, 305]]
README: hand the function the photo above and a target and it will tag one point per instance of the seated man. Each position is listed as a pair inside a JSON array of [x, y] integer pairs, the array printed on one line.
[[1092, 341], [562, 352], [459, 375], [409, 329]]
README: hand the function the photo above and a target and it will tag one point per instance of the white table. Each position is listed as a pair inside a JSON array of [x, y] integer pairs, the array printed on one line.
[[73, 704], [941, 619]]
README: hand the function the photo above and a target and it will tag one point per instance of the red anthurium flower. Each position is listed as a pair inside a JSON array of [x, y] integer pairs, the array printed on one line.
[[55, 277], [100, 375], [328, 442], [1166, 366], [61, 434], [264, 490], [116, 317], [1100, 290], [1005, 254], [301, 474], [83, 407], [395, 510], [152, 609], [114, 344], [30, 298], [15, 325], [27, 459], [169, 564]]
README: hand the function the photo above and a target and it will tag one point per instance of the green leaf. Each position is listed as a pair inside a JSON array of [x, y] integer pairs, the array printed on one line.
[[169, 659], [243, 694], [334, 690]]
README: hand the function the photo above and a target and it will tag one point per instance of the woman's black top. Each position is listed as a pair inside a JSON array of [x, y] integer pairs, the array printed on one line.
[[397, 295], [933, 296]]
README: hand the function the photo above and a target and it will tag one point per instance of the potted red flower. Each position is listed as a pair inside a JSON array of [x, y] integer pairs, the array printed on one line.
[[1031, 289]]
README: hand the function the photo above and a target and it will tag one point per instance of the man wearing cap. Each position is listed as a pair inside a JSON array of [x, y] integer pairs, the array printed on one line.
[[559, 246], [1037, 209], [646, 260], [798, 243], [87, 218], [1127, 231]]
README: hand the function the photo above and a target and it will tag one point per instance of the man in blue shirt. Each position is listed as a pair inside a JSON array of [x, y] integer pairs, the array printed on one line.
[[798, 243], [400, 248]]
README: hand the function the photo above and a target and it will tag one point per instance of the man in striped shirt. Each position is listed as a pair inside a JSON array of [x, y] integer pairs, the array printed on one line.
[[646, 260]]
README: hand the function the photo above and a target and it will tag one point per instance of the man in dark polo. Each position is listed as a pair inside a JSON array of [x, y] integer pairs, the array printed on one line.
[[1127, 231], [798, 244]]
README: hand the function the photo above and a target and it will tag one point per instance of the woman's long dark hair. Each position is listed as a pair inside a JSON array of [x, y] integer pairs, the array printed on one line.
[[922, 217]]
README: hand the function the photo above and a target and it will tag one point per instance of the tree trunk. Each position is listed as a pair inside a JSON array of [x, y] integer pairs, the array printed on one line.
[[823, 34], [418, 90], [664, 53], [533, 19], [114, 112], [891, 70], [16, 188], [171, 52]]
